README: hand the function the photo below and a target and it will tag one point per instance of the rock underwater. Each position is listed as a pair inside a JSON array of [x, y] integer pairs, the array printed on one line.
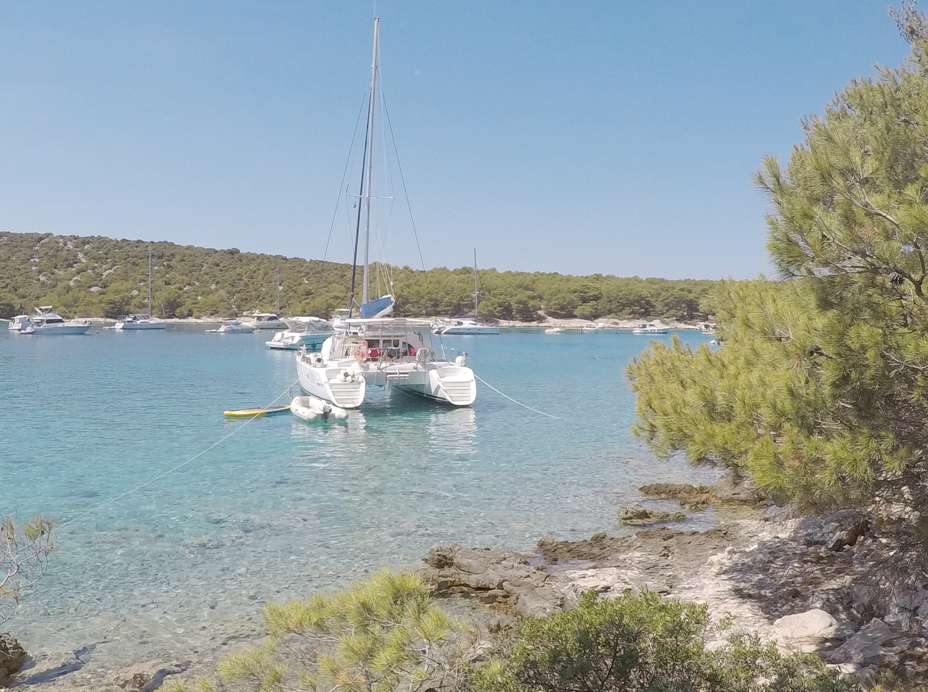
[[12, 656], [636, 515]]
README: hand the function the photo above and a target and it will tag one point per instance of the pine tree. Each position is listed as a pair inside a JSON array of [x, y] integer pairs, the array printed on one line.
[[819, 391]]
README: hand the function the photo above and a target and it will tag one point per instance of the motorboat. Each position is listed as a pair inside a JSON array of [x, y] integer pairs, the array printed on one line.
[[466, 324], [135, 322], [232, 327], [301, 331], [138, 322], [313, 408], [649, 328], [19, 322], [376, 349], [268, 320], [45, 320], [554, 330], [592, 327]]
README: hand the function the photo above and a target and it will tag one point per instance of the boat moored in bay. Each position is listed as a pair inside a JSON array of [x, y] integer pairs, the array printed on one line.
[[45, 320], [376, 349]]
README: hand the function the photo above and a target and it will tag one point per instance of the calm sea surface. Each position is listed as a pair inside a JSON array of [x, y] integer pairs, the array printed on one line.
[[283, 507]]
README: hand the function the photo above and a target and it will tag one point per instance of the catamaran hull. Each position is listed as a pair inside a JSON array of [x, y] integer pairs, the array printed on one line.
[[346, 385], [343, 386], [449, 384]]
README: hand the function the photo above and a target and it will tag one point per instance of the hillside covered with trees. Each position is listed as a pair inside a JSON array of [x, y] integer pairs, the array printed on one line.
[[103, 277]]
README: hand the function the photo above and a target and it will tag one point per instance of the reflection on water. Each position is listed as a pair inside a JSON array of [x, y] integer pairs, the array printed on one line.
[[453, 431]]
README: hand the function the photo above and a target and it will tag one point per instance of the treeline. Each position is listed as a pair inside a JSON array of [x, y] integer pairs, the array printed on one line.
[[102, 277]]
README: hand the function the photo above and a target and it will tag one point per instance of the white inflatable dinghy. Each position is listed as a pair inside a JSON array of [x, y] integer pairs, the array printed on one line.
[[313, 408]]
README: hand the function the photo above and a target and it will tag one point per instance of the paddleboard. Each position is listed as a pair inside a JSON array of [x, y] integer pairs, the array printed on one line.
[[252, 412]]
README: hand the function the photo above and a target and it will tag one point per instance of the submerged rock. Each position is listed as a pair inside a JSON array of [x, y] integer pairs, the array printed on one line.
[[147, 677], [12, 656], [726, 491], [636, 515], [497, 576]]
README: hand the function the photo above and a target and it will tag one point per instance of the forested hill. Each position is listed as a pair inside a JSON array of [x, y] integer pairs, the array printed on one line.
[[97, 276]]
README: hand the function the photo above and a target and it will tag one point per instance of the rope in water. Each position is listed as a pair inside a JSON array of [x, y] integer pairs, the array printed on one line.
[[179, 466], [514, 401]]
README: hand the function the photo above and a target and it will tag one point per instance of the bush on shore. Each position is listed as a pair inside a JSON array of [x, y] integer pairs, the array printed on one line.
[[381, 635], [387, 634], [644, 643]]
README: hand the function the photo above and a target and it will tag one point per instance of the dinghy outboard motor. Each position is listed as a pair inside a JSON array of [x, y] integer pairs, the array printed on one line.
[[461, 359]]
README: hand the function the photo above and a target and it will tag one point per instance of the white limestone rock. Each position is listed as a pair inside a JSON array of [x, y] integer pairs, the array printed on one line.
[[803, 631]]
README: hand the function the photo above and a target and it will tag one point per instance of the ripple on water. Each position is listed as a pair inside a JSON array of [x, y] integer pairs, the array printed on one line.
[[283, 508]]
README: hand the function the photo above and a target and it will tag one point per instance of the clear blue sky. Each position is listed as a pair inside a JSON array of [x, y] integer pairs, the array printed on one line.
[[578, 137]]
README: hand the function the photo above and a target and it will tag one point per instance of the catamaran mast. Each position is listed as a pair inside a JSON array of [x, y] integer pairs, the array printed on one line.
[[475, 284], [365, 178], [370, 157]]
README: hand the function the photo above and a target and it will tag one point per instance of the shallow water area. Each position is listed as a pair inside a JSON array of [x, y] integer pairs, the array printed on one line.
[[157, 557]]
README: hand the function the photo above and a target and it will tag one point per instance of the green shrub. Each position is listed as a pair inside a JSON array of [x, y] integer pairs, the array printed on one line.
[[643, 643], [380, 635]]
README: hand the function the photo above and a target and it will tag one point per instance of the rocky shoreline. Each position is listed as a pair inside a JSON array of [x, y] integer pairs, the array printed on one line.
[[841, 586], [844, 586]]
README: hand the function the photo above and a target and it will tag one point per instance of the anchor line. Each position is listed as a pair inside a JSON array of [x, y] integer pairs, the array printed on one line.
[[179, 466], [535, 410]]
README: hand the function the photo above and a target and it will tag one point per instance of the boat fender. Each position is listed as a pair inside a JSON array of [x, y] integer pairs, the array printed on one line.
[[358, 355]]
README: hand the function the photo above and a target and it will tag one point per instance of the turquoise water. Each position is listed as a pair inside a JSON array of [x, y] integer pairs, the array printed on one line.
[[282, 507]]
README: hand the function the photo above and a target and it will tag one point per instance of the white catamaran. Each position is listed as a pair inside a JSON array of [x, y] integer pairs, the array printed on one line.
[[375, 349]]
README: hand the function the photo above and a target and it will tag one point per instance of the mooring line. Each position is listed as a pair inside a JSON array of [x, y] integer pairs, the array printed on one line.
[[514, 401], [176, 468]]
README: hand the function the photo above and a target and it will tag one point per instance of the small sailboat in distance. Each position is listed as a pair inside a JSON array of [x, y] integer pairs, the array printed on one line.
[[466, 324], [136, 322]]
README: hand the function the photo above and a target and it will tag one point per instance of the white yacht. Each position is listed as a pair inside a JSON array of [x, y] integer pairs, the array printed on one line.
[[268, 320], [45, 320], [137, 322], [466, 324], [649, 328], [301, 331], [375, 349], [19, 322], [232, 327], [592, 327]]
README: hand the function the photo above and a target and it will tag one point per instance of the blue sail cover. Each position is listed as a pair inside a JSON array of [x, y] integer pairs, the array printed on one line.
[[377, 308]]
